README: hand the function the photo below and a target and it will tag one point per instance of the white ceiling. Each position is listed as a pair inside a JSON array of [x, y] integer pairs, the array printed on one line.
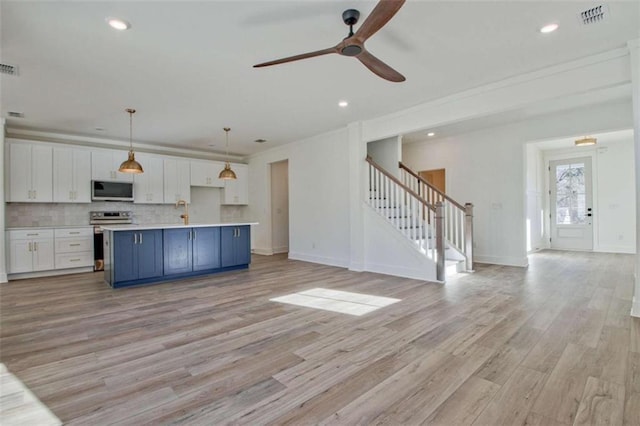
[[187, 66]]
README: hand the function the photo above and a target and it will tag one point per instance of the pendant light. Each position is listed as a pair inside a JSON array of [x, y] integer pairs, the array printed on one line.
[[131, 165], [227, 173]]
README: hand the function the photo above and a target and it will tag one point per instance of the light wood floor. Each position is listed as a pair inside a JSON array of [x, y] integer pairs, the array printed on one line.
[[549, 345]]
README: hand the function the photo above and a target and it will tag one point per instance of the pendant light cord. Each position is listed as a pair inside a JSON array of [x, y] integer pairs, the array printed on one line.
[[131, 111], [226, 129]]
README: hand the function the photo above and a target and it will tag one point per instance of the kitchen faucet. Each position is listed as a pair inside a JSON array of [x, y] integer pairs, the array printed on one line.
[[185, 215]]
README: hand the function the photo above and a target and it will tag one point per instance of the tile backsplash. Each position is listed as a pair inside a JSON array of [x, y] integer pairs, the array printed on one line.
[[66, 214]]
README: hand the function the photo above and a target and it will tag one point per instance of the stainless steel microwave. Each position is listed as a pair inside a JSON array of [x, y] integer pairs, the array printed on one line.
[[111, 191]]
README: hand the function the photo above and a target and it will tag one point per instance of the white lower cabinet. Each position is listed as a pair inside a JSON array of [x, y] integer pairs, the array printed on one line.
[[73, 247], [48, 249], [30, 251]]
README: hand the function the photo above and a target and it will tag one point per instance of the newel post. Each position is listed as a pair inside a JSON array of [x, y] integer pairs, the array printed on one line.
[[468, 236], [440, 263]]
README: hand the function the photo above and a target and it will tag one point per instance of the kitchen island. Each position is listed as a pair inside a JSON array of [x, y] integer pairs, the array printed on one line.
[[144, 254]]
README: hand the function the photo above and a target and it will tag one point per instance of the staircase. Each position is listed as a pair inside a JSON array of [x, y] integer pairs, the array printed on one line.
[[438, 227]]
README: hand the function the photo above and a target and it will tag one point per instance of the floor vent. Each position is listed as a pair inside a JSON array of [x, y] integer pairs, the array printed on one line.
[[16, 114], [594, 15], [8, 69]]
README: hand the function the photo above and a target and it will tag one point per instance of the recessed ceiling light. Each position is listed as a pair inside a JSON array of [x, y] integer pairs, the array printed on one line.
[[431, 134], [118, 24], [343, 104], [549, 28]]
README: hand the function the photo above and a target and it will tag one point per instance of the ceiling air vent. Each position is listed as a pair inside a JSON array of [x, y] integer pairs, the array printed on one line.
[[8, 69], [260, 140], [594, 15], [16, 114]]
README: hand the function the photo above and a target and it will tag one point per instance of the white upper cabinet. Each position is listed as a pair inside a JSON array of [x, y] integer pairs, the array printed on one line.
[[177, 178], [205, 173], [236, 191], [71, 175], [105, 164], [148, 186], [28, 173]]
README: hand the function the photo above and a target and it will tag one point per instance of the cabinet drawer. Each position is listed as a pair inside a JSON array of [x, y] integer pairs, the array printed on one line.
[[73, 232], [30, 234], [73, 245], [74, 260]]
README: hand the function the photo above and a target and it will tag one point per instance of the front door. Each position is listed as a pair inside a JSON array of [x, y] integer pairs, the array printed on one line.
[[571, 204]]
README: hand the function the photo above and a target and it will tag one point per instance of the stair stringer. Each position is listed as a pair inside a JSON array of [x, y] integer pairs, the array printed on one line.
[[388, 251]]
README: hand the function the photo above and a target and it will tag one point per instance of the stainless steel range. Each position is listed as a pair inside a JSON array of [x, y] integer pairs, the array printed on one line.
[[105, 218]]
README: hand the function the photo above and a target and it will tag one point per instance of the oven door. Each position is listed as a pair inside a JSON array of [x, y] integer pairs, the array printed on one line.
[[98, 249]]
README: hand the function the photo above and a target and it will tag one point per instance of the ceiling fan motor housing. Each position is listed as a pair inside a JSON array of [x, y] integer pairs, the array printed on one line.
[[350, 16]]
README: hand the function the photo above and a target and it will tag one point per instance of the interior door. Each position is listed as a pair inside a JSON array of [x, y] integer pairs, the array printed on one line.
[[435, 177], [571, 204]]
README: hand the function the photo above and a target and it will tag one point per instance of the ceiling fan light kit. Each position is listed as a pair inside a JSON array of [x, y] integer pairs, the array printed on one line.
[[353, 44]]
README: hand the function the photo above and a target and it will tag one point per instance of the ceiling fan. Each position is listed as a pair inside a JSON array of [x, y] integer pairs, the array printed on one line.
[[353, 44]]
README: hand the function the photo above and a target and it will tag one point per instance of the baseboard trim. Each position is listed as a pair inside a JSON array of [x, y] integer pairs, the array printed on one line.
[[615, 249], [319, 259], [52, 273], [263, 252], [416, 274], [635, 306], [505, 261], [282, 249]]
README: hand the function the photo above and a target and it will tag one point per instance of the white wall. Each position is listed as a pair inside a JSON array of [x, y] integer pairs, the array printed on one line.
[[387, 153], [487, 168], [616, 198], [205, 204], [318, 198], [535, 186], [3, 266], [280, 207]]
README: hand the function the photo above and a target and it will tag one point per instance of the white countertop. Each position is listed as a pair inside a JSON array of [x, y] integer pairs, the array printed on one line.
[[170, 226]]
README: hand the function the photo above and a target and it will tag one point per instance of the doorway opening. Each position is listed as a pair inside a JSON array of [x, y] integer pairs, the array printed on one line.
[[280, 207]]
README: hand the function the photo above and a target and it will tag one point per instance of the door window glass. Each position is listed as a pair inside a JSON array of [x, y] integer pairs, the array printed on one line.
[[571, 205]]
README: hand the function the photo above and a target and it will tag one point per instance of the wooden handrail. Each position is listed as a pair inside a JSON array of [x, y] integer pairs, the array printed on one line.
[[421, 179], [399, 183]]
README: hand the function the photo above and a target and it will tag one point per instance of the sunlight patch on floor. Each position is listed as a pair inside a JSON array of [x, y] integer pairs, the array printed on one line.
[[19, 406], [337, 301]]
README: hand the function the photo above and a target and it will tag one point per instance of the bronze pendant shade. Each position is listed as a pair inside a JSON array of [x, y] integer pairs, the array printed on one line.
[[227, 173], [131, 165]]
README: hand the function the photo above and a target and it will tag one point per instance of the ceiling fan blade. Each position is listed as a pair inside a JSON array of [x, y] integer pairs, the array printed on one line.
[[381, 14], [298, 57], [380, 68]]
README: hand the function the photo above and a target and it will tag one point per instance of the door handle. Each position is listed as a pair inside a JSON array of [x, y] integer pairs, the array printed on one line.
[[30, 246], [141, 238], [135, 238]]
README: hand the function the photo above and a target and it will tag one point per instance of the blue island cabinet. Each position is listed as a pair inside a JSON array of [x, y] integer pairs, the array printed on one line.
[[189, 250], [137, 255], [151, 254], [235, 245]]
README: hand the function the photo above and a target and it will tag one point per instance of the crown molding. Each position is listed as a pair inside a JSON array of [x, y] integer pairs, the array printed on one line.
[[89, 141]]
